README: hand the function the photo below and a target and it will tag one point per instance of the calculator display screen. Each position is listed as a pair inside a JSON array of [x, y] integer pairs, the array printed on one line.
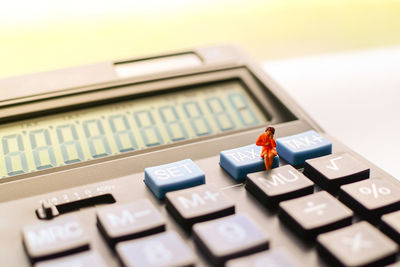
[[85, 134]]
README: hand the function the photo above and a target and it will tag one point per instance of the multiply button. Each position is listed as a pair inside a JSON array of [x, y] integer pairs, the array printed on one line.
[[313, 214], [276, 185], [332, 171], [357, 245], [240, 161], [229, 237], [89, 258], [128, 221], [371, 198], [173, 176], [198, 204], [295, 149], [62, 236], [165, 249]]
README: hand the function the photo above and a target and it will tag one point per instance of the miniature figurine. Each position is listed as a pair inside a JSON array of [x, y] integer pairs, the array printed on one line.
[[267, 141]]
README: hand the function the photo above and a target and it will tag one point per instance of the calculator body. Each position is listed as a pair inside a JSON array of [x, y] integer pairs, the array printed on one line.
[[121, 175]]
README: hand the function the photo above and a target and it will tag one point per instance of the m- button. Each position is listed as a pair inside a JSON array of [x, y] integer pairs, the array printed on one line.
[[198, 204], [127, 221], [59, 237], [173, 176]]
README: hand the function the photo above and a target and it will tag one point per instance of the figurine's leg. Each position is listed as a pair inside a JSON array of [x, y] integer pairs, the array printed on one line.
[[270, 158]]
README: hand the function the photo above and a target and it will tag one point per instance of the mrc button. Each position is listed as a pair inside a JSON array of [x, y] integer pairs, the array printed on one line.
[[238, 162], [173, 176], [295, 149], [62, 236]]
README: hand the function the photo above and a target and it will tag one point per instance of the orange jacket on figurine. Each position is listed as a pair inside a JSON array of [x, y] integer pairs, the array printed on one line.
[[267, 144]]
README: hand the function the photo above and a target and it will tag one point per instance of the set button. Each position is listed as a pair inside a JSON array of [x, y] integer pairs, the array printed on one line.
[[127, 221], [295, 149], [62, 236], [238, 162], [173, 176], [276, 185], [198, 204]]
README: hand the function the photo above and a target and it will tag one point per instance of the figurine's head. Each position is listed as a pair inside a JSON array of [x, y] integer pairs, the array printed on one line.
[[270, 131]]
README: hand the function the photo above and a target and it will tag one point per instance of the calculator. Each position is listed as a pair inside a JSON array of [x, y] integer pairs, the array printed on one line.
[[152, 162]]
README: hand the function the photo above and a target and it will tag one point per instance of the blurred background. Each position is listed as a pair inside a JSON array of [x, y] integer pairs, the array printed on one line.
[[46, 34]]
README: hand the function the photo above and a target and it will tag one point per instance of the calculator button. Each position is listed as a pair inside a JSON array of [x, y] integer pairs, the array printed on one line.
[[229, 237], [371, 198], [198, 204], [274, 186], [276, 257], [90, 258], [314, 214], [238, 162], [173, 176], [295, 149], [391, 225], [128, 221], [360, 244], [55, 238], [165, 249], [332, 171]]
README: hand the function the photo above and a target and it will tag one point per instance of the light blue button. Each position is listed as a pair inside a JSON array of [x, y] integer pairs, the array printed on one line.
[[295, 149], [238, 162], [173, 176]]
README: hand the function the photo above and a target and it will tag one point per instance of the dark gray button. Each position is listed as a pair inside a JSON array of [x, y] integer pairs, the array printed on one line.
[[360, 244], [276, 185], [229, 237], [277, 257], [314, 214], [127, 221], [165, 249], [198, 204], [371, 198], [332, 171], [90, 258], [62, 236], [391, 225]]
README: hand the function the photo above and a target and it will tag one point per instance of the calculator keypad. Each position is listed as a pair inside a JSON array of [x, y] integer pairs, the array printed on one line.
[[391, 225], [198, 204], [283, 183], [314, 214], [229, 237], [128, 221], [332, 171], [165, 249], [360, 244], [59, 237]]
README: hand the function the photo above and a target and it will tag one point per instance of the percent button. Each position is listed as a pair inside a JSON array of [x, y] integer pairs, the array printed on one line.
[[371, 198]]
